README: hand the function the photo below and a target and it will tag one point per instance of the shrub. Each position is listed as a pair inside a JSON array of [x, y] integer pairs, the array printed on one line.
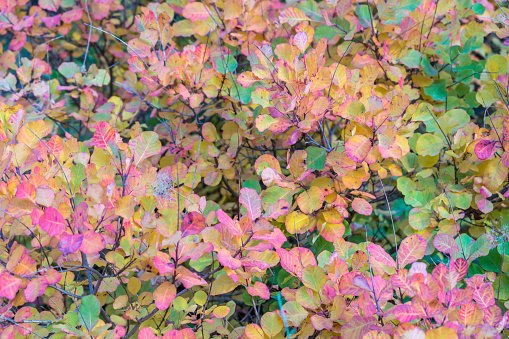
[[254, 169]]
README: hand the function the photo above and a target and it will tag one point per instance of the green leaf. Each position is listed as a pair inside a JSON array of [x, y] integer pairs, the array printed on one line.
[[89, 311], [328, 32], [410, 5], [311, 9], [316, 158], [254, 184], [491, 262], [429, 144], [478, 8], [364, 15], [314, 278], [228, 64], [412, 59], [427, 68], [438, 90], [68, 69]]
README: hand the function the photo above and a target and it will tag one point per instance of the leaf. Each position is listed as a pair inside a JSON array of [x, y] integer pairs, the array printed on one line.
[[52, 222], [271, 324], [300, 40], [193, 223], [485, 149], [68, 69], [316, 158], [225, 64], [225, 258], [261, 97], [195, 11], [412, 59], [361, 206], [164, 295], [70, 243], [104, 133], [445, 243], [250, 199], [89, 310], [437, 90], [357, 148], [147, 145], [259, 289], [292, 16], [411, 249], [310, 200], [9, 285], [429, 144], [92, 243], [357, 327], [221, 311], [295, 313], [491, 262], [314, 278], [441, 333]]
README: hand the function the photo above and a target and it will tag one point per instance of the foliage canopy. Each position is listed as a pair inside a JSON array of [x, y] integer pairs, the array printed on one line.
[[254, 169]]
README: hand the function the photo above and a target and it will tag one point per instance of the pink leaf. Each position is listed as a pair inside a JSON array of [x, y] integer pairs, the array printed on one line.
[[485, 149], [70, 243], [227, 260], [164, 295], [361, 206], [358, 147], [300, 40], [252, 202], [445, 243], [259, 290], [163, 264], [35, 288], [92, 243], [18, 41], [52, 222], [193, 223], [72, 15], [195, 11], [104, 133], [411, 249], [9, 285], [229, 222], [281, 207], [146, 333]]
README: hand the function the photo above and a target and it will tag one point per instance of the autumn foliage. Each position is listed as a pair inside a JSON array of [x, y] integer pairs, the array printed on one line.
[[254, 169]]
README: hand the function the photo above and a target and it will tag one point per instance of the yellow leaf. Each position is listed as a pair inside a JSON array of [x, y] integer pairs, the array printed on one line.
[[125, 207]]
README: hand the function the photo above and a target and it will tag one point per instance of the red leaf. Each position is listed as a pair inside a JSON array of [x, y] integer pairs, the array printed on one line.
[[52, 222], [485, 149]]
